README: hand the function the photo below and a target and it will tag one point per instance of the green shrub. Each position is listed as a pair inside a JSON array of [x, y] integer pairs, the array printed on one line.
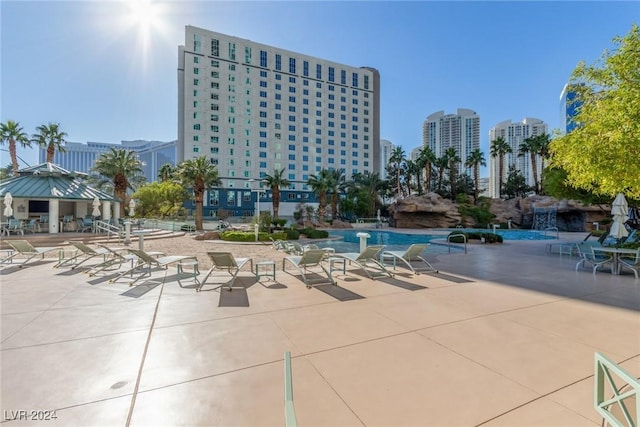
[[243, 236], [279, 235], [316, 234], [292, 234]]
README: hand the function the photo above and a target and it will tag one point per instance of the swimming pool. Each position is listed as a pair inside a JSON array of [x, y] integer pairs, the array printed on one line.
[[399, 241]]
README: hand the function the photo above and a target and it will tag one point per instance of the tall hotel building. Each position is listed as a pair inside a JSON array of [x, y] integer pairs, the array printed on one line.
[[386, 149], [568, 108], [460, 131], [514, 134], [253, 109]]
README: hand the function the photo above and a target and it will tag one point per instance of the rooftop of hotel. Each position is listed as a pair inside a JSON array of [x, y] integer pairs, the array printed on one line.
[[502, 335]]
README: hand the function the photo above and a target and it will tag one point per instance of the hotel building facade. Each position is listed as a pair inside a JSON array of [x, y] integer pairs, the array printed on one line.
[[514, 134], [460, 131], [253, 109]]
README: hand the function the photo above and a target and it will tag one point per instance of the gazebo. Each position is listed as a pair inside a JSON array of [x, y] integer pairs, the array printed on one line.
[[47, 189]]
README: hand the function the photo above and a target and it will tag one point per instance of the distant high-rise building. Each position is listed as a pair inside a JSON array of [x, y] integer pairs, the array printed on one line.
[[460, 131], [80, 157], [514, 134], [568, 108], [386, 148], [252, 109]]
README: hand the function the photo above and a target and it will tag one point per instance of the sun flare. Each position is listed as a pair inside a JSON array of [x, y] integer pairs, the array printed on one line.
[[144, 13]]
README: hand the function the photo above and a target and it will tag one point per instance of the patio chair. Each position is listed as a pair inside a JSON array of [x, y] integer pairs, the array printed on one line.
[[15, 226], [367, 258], [146, 262], [309, 259], [82, 226], [225, 261], [32, 226], [67, 220], [410, 258], [293, 248], [588, 256], [24, 248], [83, 254], [631, 263]]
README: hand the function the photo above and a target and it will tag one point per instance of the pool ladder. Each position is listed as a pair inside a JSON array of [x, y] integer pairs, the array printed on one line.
[[464, 238]]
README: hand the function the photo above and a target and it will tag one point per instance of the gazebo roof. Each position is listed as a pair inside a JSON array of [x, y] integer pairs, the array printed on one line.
[[49, 181]]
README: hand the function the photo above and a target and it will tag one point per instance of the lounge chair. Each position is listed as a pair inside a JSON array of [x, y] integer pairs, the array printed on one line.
[[367, 258], [225, 261], [15, 226], [146, 261], [588, 256], [631, 263], [84, 253], [82, 226], [24, 248], [115, 258], [309, 259], [410, 258]]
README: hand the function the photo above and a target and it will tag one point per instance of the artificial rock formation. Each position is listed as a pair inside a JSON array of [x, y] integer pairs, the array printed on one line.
[[426, 211]]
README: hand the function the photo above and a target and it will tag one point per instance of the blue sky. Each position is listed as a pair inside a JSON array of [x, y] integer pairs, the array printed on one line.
[[92, 67]]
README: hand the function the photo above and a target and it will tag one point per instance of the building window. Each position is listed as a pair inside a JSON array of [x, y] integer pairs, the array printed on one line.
[[215, 47], [263, 61], [318, 71], [247, 55], [292, 65], [278, 62], [232, 51]]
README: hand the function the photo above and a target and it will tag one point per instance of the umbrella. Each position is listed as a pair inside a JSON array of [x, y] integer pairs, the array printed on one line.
[[619, 210], [8, 200], [96, 207], [132, 207]]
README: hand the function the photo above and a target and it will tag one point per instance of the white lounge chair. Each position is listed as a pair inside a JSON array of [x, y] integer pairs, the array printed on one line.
[[225, 261], [410, 258], [83, 254], [146, 262], [367, 258], [303, 263]]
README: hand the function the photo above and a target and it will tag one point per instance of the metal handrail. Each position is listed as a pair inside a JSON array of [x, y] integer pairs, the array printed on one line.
[[464, 237], [544, 233], [103, 226], [289, 409]]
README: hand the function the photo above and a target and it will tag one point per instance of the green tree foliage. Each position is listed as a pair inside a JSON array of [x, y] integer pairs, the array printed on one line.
[[602, 155], [276, 182], [516, 184], [321, 184], [474, 161], [11, 133], [200, 175], [50, 137], [337, 185], [397, 160], [166, 172], [160, 199], [500, 147], [118, 170]]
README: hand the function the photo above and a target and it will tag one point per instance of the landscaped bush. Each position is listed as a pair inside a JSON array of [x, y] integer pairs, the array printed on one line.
[[243, 236], [279, 235], [488, 237], [316, 234], [292, 234]]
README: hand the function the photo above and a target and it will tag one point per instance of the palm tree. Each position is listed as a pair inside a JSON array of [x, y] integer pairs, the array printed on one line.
[[500, 147], [397, 158], [10, 133], [198, 174], [441, 163], [372, 186], [543, 142], [530, 146], [166, 172], [453, 159], [121, 169], [320, 185], [275, 182], [51, 137], [412, 169], [336, 187], [475, 160], [426, 159]]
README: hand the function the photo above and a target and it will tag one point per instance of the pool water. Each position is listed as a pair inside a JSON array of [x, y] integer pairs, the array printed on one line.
[[398, 241]]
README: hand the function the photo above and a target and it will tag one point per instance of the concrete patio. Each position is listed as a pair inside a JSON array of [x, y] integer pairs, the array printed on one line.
[[503, 336]]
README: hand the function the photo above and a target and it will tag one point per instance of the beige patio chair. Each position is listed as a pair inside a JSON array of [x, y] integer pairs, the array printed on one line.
[[632, 264], [115, 258], [303, 263], [367, 260], [83, 254], [410, 258], [24, 248], [146, 262], [225, 261]]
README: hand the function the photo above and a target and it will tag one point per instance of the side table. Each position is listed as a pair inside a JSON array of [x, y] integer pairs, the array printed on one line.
[[191, 274], [337, 264], [266, 269]]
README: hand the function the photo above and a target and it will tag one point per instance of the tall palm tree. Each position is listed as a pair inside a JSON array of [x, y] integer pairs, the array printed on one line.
[[275, 182], [397, 158], [320, 185], [441, 164], [11, 133], [120, 169], [500, 147], [426, 159], [543, 142], [372, 185], [336, 186], [166, 172], [475, 160], [411, 170], [530, 146], [452, 163], [51, 137], [198, 174]]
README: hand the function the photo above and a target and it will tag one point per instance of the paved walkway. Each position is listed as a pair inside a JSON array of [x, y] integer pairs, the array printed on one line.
[[503, 336]]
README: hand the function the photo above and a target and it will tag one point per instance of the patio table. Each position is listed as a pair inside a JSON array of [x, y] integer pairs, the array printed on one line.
[[615, 253]]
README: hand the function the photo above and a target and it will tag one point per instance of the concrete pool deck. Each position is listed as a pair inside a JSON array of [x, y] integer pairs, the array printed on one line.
[[504, 335]]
